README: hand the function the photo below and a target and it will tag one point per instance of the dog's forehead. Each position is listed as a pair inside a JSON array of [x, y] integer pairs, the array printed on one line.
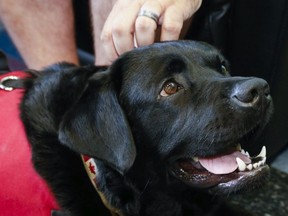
[[191, 49], [157, 59], [189, 52]]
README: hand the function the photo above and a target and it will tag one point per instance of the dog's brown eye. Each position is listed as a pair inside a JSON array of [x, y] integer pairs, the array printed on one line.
[[170, 88]]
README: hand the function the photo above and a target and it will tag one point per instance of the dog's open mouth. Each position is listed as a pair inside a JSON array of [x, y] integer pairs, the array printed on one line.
[[231, 172]]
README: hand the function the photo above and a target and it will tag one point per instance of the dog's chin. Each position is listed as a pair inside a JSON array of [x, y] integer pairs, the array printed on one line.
[[225, 173]]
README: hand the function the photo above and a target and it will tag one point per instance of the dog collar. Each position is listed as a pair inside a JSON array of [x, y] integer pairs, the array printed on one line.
[[91, 170], [90, 167]]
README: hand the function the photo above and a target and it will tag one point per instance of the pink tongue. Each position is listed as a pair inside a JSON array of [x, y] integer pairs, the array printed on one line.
[[223, 164]]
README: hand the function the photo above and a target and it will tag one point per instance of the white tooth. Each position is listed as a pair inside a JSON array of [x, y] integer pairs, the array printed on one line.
[[250, 167], [255, 165], [238, 147], [241, 164], [263, 152], [247, 153], [259, 163], [196, 159], [262, 162]]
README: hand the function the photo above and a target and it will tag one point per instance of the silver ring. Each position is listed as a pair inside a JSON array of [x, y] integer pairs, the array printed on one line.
[[149, 14]]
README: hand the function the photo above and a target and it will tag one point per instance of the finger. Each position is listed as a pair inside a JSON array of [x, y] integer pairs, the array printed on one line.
[[146, 23], [172, 24], [108, 46], [174, 17], [107, 40], [123, 28], [114, 33]]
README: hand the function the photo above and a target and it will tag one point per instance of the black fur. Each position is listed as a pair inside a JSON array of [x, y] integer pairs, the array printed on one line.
[[119, 117]]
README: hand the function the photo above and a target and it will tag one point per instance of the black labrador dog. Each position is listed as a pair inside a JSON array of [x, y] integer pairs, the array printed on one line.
[[162, 128]]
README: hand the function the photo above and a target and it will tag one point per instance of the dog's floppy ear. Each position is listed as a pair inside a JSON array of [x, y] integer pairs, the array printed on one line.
[[96, 126]]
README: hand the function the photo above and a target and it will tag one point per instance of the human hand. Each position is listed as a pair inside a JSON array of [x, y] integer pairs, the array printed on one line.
[[125, 27]]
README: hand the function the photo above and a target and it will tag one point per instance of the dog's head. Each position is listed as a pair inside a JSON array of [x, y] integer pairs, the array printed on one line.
[[172, 109]]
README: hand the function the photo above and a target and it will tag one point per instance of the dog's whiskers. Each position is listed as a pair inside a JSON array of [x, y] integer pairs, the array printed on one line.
[[209, 136], [204, 136], [145, 187], [219, 134]]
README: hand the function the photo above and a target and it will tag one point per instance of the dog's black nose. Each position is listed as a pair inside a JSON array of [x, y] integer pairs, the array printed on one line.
[[248, 92]]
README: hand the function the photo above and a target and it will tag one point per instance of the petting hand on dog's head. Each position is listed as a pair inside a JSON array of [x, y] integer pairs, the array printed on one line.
[[134, 23]]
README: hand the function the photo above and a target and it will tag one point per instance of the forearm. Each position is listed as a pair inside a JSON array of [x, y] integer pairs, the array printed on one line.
[[43, 31]]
